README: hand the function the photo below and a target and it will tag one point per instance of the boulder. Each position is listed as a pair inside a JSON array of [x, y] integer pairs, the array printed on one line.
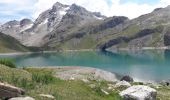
[[139, 92], [9, 91], [166, 82], [127, 79], [22, 98], [123, 84]]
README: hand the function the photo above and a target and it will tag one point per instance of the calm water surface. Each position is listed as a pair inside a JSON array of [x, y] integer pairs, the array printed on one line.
[[142, 65]]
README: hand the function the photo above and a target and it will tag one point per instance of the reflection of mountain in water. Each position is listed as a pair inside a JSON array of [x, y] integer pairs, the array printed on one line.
[[144, 56], [145, 65]]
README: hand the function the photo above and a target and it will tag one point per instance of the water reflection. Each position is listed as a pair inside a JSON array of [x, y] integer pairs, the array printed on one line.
[[143, 65]]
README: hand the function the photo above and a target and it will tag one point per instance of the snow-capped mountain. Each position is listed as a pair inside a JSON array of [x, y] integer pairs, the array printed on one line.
[[32, 33]]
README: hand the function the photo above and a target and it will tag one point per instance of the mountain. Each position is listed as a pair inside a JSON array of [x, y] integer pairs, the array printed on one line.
[[86, 36], [57, 18], [149, 30], [10, 44], [13, 28], [65, 27]]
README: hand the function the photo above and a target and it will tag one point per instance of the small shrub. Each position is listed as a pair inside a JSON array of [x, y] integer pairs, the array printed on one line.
[[138, 83], [7, 62], [98, 91], [116, 96], [44, 78]]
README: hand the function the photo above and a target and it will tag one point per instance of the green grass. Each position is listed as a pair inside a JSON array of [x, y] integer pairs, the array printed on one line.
[[8, 63], [10, 44], [41, 81], [87, 42], [163, 93]]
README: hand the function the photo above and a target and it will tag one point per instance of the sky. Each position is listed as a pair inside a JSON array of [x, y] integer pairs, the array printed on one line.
[[19, 9]]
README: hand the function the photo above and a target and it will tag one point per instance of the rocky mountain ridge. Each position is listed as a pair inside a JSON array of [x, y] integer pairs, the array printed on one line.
[[65, 27], [47, 22]]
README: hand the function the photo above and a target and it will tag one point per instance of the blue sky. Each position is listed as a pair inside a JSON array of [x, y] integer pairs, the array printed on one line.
[[17, 9], [141, 1]]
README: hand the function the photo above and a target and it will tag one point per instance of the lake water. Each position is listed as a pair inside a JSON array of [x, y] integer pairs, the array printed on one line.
[[142, 65]]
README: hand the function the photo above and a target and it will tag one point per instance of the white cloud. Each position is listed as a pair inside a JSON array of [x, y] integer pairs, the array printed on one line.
[[129, 9], [35, 7]]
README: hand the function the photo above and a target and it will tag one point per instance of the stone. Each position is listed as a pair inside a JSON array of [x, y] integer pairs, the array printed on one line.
[[123, 83], [127, 79], [85, 80], [47, 96], [9, 91], [166, 82], [105, 75], [139, 92], [22, 98], [105, 92]]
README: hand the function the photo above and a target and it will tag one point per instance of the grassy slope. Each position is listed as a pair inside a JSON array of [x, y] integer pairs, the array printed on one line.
[[9, 44], [91, 42], [38, 81]]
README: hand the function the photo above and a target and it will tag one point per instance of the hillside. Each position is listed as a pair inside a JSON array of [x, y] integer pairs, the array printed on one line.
[[10, 44], [150, 30]]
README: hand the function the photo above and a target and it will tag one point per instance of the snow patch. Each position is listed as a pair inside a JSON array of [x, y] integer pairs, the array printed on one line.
[[26, 27], [32, 33], [67, 8], [99, 18], [62, 13], [44, 22]]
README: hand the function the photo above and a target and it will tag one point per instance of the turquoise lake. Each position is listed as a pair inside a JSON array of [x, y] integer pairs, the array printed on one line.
[[147, 65]]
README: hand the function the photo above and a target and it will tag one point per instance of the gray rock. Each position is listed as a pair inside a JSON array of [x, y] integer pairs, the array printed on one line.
[[139, 92], [166, 82], [86, 74], [123, 84], [127, 79], [9, 91], [22, 98]]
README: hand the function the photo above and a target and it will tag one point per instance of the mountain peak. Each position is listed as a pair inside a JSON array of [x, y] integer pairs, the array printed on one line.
[[12, 23], [76, 7], [58, 5], [25, 21]]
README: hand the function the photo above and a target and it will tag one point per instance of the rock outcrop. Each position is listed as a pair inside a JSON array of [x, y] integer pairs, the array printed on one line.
[[139, 92], [86, 74], [9, 91], [127, 79]]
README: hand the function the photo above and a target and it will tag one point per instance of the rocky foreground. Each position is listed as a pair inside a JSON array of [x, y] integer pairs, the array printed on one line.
[[75, 83]]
